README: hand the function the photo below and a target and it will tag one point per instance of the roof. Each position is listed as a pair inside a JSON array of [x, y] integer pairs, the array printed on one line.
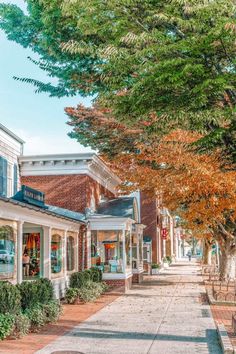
[[50, 210], [9, 132], [119, 207]]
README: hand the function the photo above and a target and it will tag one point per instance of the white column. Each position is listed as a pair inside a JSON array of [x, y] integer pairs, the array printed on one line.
[[77, 252], [124, 252], [64, 255], [138, 259], [47, 237], [159, 244], [88, 235], [19, 251]]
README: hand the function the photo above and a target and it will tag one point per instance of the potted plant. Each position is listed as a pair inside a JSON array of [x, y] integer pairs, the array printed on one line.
[[165, 262], [169, 259], [155, 268]]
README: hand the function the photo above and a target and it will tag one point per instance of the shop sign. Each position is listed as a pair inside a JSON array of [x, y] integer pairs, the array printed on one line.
[[164, 233], [33, 196]]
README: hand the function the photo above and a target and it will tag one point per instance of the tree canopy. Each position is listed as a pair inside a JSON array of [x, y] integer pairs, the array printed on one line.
[[172, 60]]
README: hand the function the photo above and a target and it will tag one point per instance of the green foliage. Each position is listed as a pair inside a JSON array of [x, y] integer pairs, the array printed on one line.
[[10, 298], [166, 64], [169, 259], [80, 279], [36, 292], [37, 317], [95, 274], [6, 325], [71, 295], [21, 326], [156, 266], [52, 310], [91, 291]]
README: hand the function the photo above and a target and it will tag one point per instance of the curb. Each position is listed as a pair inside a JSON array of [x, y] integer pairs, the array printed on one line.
[[224, 340]]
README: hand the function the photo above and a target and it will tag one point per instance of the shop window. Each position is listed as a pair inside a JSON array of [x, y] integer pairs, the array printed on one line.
[[107, 251], [56, 254], [70, 253], [140, 248], [31, 255], [7, 252], [127, 247]]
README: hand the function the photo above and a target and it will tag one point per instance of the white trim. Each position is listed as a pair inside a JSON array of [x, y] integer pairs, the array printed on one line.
[[116, 276], [70, 164]]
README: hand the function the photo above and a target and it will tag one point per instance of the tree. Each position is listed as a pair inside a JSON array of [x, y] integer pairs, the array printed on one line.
[[192, 185], [174, 60]]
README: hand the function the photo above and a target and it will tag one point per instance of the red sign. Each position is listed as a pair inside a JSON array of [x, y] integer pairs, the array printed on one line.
[[164, 233]]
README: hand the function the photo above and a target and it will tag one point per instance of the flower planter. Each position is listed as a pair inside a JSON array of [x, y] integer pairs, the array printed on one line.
[[155, 271]]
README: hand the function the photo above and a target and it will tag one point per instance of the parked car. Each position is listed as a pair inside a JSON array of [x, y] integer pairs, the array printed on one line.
[[5, 256]]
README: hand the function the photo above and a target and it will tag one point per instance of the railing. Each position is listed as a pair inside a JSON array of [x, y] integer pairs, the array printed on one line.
[[224, 290]]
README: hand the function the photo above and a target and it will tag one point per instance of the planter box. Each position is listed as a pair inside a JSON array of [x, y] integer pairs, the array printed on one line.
[[155, 271]]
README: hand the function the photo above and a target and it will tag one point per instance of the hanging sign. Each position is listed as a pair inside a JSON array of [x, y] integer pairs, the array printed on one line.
[[164, 233]]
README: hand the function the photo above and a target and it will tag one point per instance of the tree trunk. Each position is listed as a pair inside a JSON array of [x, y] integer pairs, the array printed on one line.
[[227, 261], [207, 253]]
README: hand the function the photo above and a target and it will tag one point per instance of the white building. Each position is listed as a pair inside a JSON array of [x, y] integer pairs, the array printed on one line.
[[11, 147]]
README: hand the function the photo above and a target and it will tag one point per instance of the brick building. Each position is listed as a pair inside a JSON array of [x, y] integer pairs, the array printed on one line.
[[83, 183]]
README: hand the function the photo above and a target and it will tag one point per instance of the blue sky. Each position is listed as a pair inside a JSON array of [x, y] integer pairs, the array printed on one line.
[[36, 118]]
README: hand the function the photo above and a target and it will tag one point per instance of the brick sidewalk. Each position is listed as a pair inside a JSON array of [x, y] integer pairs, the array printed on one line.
[[72, 316], [223, 314]]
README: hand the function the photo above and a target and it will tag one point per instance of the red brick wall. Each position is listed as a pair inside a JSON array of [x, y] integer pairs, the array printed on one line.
[[72, 192], [149, 218]]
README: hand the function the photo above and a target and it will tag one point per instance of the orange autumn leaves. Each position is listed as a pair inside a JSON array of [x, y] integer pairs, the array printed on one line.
[[191, 184]]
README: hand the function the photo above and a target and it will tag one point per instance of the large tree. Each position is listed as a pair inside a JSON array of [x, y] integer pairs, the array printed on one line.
[[172, 60], [192, 185]]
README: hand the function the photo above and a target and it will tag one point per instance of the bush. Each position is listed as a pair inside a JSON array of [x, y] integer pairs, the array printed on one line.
[[169, 259], [10, 298], [91, 291], [96, 275], [52, 310], [21, 326], [156, 266], [35, 292], [37, 317], [105, 286], [6, 325], [71, 295], [80, 279]]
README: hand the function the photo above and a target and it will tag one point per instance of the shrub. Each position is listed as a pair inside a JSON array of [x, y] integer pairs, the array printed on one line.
[[105, 286], [80, 279], [96, 275], [6, 325], [156, 266], [10, 298], [71, 295], [36, 292], [52, 310], [91, 291], [169, 259], [37, 317], [21, 326]]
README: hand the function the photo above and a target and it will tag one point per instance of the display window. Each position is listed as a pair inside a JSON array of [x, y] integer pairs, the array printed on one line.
[[7, 252], [107, 251], [31, 259], [56, 254], [70, 253]]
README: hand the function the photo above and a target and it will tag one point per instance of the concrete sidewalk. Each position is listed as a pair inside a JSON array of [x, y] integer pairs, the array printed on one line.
[[163, 315]]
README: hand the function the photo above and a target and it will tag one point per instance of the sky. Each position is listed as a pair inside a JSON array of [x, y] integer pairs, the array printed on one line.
[[36, 118]]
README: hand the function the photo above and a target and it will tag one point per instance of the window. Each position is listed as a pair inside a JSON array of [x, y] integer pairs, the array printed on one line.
[[56, 254], [9, 180], [31, 255], [7, 252], [70, 253], [3, 177]]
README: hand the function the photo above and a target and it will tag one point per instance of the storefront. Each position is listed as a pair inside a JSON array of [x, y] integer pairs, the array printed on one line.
[[116, 242], [38, 242]]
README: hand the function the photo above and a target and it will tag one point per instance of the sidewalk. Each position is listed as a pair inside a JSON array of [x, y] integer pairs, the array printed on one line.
[[163, 315]]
